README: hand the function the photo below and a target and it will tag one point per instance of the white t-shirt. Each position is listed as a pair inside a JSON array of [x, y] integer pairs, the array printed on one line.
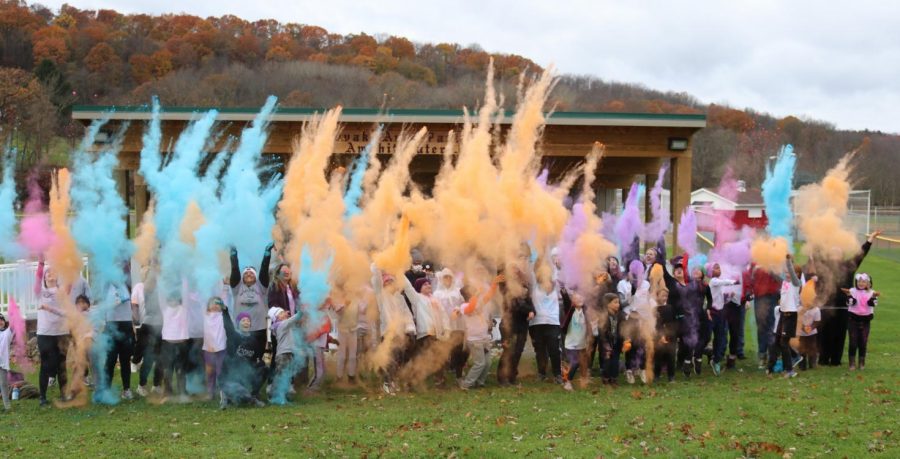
[[213, 332], [478, 322], [576, 336], [790, 296], [809, 317], [546, 306], [6, 337], [175, 320]]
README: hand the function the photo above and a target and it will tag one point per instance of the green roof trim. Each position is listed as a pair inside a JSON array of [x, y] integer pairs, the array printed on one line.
[[376, 112]]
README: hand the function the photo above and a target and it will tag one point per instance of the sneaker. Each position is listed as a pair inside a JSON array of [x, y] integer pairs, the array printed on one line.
[[852, 367], [716, 368], [731, 362], [763, 364], [568, 386], [671, 379], [87, 381], [386, 387], [558, 380], [463, 386], [223, 403], [44, 402], [796, 361], [127, 395], [258, 403], [269, 390], [686, 368], [643, 375], [790, 374], [135, 367], [141, 391], [698, 365], [51, 381], [629, 376], [156, 390]]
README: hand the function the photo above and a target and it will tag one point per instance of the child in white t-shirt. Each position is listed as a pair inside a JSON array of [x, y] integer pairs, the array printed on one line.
[[810, 319]]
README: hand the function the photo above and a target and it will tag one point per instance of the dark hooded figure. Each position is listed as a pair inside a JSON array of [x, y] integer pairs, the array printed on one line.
[[243, 371], [833, 277]]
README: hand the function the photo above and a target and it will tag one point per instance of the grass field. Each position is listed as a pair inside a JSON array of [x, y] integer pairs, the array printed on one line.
[[828, 412]]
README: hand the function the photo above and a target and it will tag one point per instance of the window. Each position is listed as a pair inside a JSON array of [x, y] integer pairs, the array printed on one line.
[[754, 213]]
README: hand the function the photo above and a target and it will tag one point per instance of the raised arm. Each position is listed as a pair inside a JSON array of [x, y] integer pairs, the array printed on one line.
[[230, 333], [264, 266], [408, 288], [858, 259], [235, 269], [377, 284], [789, 265]]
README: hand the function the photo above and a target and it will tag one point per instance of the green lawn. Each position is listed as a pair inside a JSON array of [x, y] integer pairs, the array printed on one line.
[[827, 412]]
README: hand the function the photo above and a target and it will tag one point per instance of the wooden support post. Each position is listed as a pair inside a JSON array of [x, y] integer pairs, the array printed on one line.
[[140, 198], [649, 181], [681, 192], [121, 178]]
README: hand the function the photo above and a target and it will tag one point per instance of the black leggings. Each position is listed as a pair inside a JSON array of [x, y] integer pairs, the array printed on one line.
[[545, 339], [149, 343], [121, 347], [859, 337], [787, 328], [53, 361], [664, 356]]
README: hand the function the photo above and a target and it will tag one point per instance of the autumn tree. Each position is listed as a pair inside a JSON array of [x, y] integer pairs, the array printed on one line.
[[50, 44]]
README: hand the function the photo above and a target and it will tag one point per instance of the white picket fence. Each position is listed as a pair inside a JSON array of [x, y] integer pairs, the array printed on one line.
[[17, 281]]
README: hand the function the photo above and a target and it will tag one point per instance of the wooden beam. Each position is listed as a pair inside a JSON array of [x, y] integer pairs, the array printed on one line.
[[681, 192]]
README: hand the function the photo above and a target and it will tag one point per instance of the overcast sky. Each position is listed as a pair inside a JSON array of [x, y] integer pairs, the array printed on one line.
[[828, 60]]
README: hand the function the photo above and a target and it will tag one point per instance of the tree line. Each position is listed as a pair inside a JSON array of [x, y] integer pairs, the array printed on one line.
[[50, 61]]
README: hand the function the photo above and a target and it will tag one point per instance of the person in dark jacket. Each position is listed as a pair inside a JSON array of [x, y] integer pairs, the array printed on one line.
[[517, 311], [612, 338], [666, 334], [833, 277], [243, 371]]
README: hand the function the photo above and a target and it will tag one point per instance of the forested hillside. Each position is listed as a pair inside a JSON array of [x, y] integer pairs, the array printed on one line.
[[52, 60]]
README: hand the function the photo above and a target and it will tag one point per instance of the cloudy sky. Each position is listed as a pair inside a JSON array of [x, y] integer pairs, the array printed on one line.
[[828, 60]]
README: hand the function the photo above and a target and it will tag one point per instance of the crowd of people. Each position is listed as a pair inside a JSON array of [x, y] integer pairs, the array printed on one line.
[[255, 340]]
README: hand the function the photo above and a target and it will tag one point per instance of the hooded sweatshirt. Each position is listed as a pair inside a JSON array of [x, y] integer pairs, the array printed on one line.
[[391, 306], [118, 295], [450, 299], [251, 298], [242, 354], [52, 322], [287, 334], [431, 320]]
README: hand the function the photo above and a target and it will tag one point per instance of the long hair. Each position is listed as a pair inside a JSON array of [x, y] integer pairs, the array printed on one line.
[[279, 283]]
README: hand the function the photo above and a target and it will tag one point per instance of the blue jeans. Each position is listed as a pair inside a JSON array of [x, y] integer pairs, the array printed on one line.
[[720, 334], [765, 320]]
